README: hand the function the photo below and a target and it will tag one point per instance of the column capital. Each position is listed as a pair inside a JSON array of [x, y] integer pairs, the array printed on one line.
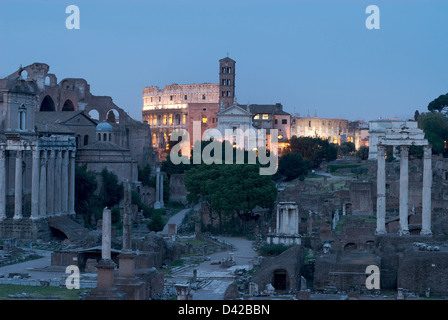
[[404, 149], [381, 148], [427, 151], [19, 154]]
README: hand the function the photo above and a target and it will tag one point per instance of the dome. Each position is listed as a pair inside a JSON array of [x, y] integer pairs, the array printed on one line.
[[104, 126]]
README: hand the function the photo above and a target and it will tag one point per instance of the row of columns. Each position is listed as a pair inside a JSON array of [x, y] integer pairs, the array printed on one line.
[[52, 183], [404, 190]]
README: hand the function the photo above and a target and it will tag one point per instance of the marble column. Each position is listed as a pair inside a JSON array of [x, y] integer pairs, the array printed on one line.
[[106, 234], [71, 187], [381, 191], [43, 185], [105, 275], [2, 185], [64, 202], [18, 192], [161, 191], [126, 218], [157, 204], [50, 183], [35, 185], [426, 191], [404, 189], [58, 184]]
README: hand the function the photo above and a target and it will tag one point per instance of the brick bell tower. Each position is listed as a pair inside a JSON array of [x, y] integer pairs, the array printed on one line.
[[226, 81]]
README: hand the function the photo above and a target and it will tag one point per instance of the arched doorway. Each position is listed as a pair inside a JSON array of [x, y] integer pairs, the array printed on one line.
[[68, 105], [280, 279], [350, 246], [47, 104]]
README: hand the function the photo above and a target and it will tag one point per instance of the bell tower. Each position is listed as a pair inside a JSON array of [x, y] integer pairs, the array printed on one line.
[[226, 81]]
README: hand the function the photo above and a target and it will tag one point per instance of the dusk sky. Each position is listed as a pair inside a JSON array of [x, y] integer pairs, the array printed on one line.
[[311, 56]]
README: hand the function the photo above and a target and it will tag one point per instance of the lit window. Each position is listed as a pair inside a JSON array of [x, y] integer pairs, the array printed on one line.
[[184, 118], [204, 119], [280, 137], [257, 116], [171, 119], [265, 117], [164, 119]]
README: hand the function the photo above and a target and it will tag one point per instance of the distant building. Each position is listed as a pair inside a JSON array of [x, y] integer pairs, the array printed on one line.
[[179, 106]]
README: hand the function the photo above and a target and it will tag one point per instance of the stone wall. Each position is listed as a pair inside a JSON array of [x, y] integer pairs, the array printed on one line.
[[178, 192], [290, 261]]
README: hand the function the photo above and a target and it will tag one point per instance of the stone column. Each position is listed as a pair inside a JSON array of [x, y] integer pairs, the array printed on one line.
[[105, 275], [161, 191], [157, 201], [404, 189], [126, 257], [285, 214], [2, 185], [18, 192], [277, 226], [106, 235], [58, 184], [126, 218], [71, 187], [43, 185], [64, 202], [381, 191], [426, 191], [35, 185], [50, 183]]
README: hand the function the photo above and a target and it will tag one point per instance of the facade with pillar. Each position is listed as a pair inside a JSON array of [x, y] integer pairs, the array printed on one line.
[[403, 135], [287, 225], [37, 164]]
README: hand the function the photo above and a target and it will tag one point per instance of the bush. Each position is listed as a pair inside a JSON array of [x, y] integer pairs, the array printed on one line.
[[156, 224]]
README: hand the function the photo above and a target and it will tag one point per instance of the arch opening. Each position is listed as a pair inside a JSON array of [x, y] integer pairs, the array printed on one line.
[[68, 105], [47, 104]]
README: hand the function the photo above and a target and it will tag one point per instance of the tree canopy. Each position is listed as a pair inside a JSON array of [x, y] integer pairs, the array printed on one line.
[[314, 150], [230, 189], [435, 126], [439, 103], [292, 166]]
